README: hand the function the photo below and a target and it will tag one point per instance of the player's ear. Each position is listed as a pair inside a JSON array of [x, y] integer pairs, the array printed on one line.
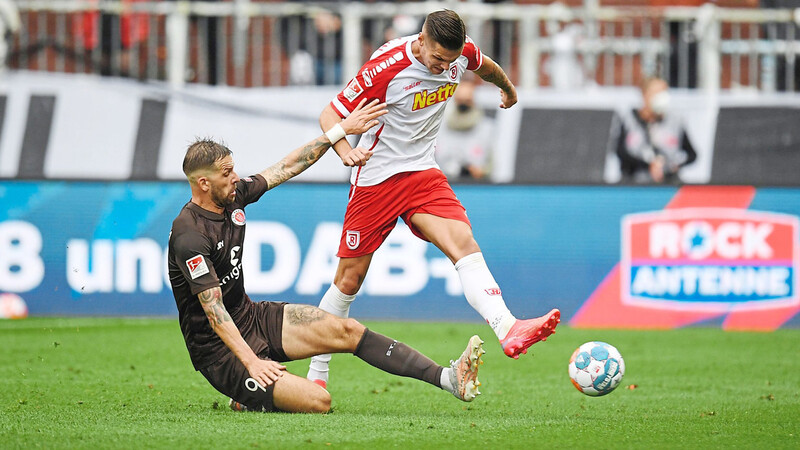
[[203, 183]]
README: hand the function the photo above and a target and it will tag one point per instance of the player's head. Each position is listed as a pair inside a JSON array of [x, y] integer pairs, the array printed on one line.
[[655, 96], [441, 40], [208, 166]]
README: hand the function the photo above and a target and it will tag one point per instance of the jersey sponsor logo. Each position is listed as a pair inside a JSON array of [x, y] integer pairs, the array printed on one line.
[[710, 259], [236, 272], [234, 259], [424, 99], [453, 72], [412, 85], [353, 239], [353, 90], [237, 216], [493, 291], [197, 266], [369, 73]]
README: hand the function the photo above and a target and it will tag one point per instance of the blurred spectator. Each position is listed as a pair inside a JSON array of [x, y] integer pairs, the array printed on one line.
[[9, 26], [651, 144], [314, 47], [463, 147], [565, 68]]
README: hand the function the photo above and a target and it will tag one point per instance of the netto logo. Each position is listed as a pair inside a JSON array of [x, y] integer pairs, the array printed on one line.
[[424, 99]]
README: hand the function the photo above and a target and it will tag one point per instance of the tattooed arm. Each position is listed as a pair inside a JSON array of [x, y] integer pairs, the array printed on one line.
[[492, 72], [360, 120], [265, 372], [295, 162]]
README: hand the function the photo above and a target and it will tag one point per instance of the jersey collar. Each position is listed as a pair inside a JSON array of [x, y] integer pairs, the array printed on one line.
[[204, 212], [411, 56]]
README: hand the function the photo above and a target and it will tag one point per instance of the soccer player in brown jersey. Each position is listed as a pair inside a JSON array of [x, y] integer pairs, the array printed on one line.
[[238, 344]]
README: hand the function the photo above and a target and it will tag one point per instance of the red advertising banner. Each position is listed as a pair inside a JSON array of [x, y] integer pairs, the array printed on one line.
[[703, 257]]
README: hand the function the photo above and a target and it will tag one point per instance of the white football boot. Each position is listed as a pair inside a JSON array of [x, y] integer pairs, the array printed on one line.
[[464, 373]]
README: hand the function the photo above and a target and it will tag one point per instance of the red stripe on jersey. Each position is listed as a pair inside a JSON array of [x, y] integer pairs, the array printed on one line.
[[373, 79], [473, 54], [377, 138]]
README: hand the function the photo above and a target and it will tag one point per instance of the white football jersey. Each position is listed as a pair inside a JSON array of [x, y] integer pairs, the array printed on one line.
[[405, 139]]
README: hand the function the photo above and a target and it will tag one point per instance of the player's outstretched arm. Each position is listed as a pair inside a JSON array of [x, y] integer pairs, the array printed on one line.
[[360, 120], [492, 72], [264, 371]]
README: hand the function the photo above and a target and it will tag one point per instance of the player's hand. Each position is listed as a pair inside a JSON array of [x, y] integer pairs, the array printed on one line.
[[363, 117], [509, 99], [265, 371], [356, 157]]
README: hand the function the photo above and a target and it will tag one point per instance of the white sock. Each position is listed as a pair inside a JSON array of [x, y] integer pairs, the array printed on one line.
[[444, 380], [483, 294], [338, 304]]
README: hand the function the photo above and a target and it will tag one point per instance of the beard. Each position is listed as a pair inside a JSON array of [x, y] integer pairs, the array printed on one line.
[[221, 199]]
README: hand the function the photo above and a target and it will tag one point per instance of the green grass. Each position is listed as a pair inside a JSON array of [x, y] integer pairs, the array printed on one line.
[[128, 383]]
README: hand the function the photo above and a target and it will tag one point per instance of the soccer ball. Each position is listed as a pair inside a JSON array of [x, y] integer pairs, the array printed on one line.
[[12, 306], [596, 368]]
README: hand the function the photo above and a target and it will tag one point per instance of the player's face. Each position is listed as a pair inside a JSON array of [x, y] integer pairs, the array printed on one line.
[[223, 182], [435, 57]]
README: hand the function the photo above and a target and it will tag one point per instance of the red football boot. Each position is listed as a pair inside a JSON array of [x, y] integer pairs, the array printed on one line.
[[525, 333]]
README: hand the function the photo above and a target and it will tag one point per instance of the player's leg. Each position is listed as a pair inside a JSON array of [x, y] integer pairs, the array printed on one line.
[[290, 393], [350, 274], [297, 394], [308, 331], [454, 237], [367, 222]]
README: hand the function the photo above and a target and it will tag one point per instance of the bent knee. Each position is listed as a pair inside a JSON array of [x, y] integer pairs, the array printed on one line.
[[348, 285], [353, 329], [347, 334], [321, 403]]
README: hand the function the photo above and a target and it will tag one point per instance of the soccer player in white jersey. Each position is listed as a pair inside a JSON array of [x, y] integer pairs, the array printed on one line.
[[416, 76]]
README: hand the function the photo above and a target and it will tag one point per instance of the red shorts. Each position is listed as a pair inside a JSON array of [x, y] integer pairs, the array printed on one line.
[[372, 211]]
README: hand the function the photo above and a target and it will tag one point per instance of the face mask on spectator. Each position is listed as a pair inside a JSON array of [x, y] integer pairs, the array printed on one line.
[[660, 103]]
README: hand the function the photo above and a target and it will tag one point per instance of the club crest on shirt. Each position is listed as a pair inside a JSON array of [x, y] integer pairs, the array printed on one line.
[[353, 238], [237, 216], [197, 266], [453, 72], [353, 90]]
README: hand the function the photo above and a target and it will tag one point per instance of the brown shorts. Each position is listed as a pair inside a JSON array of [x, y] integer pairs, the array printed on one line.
[[229, 376]]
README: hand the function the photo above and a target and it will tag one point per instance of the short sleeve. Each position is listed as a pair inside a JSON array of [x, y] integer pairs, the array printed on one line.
[[193, 258], [372, 80], [250, 189], [473, 54]]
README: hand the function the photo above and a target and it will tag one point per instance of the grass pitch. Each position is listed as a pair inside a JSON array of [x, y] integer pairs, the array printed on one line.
[[128, 383]]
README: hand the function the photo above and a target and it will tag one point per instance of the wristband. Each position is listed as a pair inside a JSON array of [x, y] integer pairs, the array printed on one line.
[[335, 134]]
